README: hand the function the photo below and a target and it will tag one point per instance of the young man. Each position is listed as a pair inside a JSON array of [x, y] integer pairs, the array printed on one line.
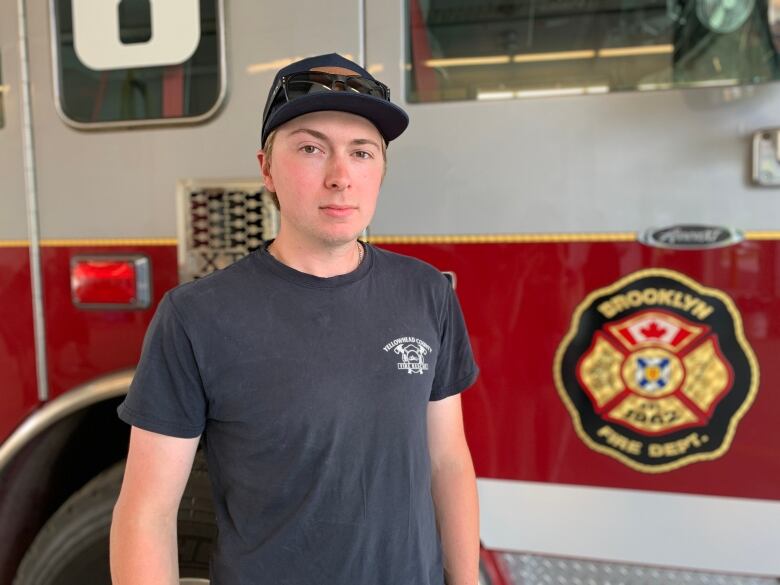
[[322, 374]]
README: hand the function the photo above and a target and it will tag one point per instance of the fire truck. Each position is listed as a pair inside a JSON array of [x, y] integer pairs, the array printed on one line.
[[599, 178]]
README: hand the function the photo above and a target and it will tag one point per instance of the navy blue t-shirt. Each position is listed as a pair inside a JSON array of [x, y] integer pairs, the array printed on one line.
[[311, 396]]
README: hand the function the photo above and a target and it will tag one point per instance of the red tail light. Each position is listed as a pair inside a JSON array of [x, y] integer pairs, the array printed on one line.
[[110, 282]]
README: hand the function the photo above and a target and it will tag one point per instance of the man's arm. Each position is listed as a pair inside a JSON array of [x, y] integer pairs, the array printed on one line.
[[454, 489], [143, 530]]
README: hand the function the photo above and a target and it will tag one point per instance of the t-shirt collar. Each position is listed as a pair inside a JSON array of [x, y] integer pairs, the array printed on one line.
[[310, 280]]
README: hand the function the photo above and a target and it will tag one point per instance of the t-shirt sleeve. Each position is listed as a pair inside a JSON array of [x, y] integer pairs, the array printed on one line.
[[456, 369], [166, 395]]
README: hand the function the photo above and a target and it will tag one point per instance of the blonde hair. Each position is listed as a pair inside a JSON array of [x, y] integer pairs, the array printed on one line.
[[268, 148]]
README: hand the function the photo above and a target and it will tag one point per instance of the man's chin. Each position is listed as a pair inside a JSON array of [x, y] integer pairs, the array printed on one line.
[[338, 241], [341, 238]]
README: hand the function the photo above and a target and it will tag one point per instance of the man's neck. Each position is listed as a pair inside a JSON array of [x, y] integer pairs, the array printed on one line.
[[317, 260]]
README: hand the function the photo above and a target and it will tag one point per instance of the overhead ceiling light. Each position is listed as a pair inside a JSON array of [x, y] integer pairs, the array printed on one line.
[[712, 83], [468, 61], [5, 88], [636, 51], [495, 95], [554, 56], [702, 83], [593, 89], [376, 68], [551, 92], [561, 91], [542, 92], [654, 86]]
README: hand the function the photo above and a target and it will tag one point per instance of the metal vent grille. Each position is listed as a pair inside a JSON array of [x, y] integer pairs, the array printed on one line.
[[528, 569], [222, 224]]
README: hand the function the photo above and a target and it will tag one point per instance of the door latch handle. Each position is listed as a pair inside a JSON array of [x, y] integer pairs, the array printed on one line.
[[766, 157]]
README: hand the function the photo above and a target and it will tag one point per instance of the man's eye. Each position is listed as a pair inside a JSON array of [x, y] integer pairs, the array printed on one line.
[[363, 154], [309, 149]]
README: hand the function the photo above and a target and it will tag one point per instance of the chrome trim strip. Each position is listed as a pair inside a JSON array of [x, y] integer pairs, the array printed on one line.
[[362, 33], [529, 238], [404, 65], [55, 60], [31, 198], [103, 388], [103, 242]]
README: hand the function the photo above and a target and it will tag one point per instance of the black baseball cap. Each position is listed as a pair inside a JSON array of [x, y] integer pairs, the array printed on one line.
[[388, 118]]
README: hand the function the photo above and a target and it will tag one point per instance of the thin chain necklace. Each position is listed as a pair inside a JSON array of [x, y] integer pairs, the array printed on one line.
[[359, 245], [360, 254]]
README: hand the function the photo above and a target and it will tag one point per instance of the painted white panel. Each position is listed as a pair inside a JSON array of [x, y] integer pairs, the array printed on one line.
[[708, 533], [122, 183], [13, 210], [612, 162]]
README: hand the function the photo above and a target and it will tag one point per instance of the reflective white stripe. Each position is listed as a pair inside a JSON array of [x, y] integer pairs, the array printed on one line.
[[709, 533], [96, 40]]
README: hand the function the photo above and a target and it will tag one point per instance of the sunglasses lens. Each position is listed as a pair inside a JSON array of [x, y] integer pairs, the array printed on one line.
[[300, 87], [365, 86], [310, 82]]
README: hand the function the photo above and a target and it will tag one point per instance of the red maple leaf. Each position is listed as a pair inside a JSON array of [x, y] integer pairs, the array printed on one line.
[[653, 331]]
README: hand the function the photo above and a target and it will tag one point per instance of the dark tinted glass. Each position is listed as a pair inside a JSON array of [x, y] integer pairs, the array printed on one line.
[[490, 49], [177, 91], [314, 81], [297, 88], [366, 86]]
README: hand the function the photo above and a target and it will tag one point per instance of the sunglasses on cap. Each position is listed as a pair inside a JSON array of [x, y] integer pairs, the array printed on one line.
[[297, 85]]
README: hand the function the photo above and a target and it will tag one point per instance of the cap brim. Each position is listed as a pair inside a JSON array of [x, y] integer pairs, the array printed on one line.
[[389, 119]]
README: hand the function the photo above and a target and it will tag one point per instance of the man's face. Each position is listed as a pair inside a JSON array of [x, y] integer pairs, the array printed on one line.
[[326, 169]]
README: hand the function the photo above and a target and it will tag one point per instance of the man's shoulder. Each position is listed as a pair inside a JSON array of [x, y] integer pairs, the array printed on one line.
[[216, 288], [409, 267]]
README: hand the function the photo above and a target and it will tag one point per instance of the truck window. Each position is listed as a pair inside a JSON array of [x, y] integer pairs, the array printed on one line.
[[462, 50], [124, 74]]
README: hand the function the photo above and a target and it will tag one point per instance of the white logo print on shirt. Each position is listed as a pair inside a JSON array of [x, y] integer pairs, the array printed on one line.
[[412, 352]]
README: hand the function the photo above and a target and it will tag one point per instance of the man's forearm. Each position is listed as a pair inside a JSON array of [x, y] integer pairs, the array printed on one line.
[[454, 491], [143, 551]]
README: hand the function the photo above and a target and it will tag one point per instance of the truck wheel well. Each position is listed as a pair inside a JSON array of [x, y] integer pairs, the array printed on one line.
[[50, 468]]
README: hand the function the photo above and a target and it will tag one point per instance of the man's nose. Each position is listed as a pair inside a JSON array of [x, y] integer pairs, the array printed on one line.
[[337, 176]]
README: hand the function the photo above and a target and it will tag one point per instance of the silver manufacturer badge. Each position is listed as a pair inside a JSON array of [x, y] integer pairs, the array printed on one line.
[[691, 237]]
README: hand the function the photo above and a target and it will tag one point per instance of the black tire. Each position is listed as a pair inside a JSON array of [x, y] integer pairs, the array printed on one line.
[[72, 547]]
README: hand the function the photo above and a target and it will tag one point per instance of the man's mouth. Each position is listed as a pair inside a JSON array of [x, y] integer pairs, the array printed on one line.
[[338, 210]]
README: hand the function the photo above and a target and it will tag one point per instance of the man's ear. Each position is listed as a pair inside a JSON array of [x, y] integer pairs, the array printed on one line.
[[265, 170]]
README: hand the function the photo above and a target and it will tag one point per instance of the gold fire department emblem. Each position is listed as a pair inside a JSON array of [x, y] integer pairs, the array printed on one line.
[[656, 371]]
